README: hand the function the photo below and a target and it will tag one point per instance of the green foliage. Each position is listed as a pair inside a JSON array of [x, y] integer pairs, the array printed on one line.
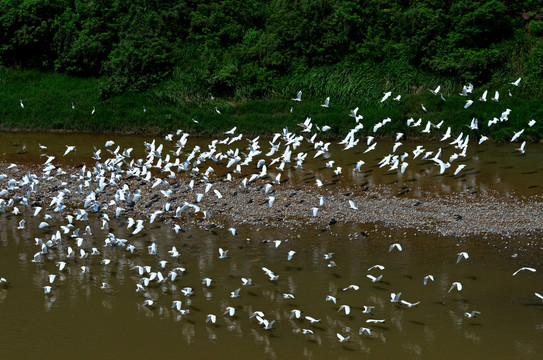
[[536, 27], [183, 50]]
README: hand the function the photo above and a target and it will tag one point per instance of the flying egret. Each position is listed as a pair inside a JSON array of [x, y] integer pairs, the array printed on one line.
[[517, 135], [347, 309], [462, 255], [223, 254], [290, 255], [352, 205], [456, 284], [298, 96], [428, 277], [524, 268], [312, 320], [326, 102], [373, 278], [395, 245], [472, 314], [352, 286], [516, 82], [342, 338], [68, 149], [386, 95], [409, 305]]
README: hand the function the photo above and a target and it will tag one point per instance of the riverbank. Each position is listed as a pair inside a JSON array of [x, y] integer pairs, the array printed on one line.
[[31, 100], [467, 213]]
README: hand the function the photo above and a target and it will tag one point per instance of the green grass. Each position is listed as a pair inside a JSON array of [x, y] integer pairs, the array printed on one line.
[[47, 99]]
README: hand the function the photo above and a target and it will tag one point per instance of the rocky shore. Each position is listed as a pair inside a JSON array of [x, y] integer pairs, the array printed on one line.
[[457, 214]]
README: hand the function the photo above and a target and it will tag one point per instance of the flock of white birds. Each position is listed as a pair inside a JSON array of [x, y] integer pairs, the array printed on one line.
[[68, 243]]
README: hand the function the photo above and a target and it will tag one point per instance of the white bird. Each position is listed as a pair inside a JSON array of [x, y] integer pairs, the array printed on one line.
[[231, 131], [367, 309], [472, 314], [314, 210], [232, 231], [482, 139], [298, 96], [447, 134], [352, 205], [483, 97], [68, 149], [386, 95], [531, 123], [524, 268], [312, 320], [516, 82], [397, 98], [395, 245], [517, 135], [539, 295], [290, 255], [326, 102], [436, 90], [456, 284], [352, 286], [212, 318], [373, 278], [380, 267], [364, 330], [428, 277], [521, 147], [395, 298], [331, 298], [347, 309], [342, 338], [21, 103], [230, 311], [468, 104], [223, 254], [93, 110], [409, 305], [496, 97], [295, 313], [307, 331], [462, 255], [206, 281]]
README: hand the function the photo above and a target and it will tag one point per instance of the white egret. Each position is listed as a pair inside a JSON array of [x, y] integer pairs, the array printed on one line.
[[395, 245], [326, 102], [524, 269], [462, 255]]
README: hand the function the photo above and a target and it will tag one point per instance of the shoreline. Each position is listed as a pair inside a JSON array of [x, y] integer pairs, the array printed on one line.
[[456, 214]]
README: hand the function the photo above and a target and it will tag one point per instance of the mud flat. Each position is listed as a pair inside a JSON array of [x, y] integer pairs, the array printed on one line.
[[465, 213]]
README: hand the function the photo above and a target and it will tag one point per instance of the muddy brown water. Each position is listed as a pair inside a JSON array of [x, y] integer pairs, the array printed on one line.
[[78, 319]]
